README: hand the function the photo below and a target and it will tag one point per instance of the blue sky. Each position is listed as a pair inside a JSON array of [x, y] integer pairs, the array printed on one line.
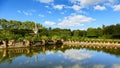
[[70, 14]]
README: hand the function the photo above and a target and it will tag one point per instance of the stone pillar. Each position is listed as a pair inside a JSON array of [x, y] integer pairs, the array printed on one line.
[[5, 44], [28, 50], [62, 40], [54, 41], [43, 49], [11, 43], [27, 43], [5, 53], [43, 42]]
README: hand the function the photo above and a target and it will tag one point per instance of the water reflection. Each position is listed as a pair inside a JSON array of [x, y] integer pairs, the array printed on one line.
[[59, 56], [116, 65], [74, 54], [99, 66]]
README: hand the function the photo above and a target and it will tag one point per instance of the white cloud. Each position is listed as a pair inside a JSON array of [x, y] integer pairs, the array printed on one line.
[[76, 66], [85, 3], [116, 7], [45, 1], [49, 12], [49, 52], [74, 55], [49, 23], [59, 19], [27, 13], [62, 12], [46, 6], [58, 6], [59, 66], [41, 15], [98, 7], [32, 10], [112, 1], [99, 66], [18, 11], [116, 66], [76, 7], [71, 66], [74, 1], [75, 20]]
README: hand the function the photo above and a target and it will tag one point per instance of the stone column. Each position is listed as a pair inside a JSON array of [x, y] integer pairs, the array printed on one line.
[[27, 43], [54, 41], [5, 53], [5, 44], [43, 42]]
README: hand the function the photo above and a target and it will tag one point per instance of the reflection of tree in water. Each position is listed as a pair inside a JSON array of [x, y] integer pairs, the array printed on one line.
[[115, 52], [8, 55], [5, 57]]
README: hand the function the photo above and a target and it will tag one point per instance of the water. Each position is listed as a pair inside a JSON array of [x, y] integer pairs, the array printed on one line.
[[59, 57]]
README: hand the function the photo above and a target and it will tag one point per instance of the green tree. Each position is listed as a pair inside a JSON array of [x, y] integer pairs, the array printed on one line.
[[92, 32], [82, 33], [28, 25], [13, 24], [44, 37], [99, 32], [112, 31], [6, 35], [3, 23], [76, 33], [55, 37]]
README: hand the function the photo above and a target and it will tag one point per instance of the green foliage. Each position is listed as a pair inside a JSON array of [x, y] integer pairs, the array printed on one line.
[[82, 33], [55, 37], [28, 37], [44, 37], [74, 38], [99, 32], [6, 35], [13, 29], [14, 24], [20, 39], [92, 32], [76, 33], [35, 37], [113, 31]]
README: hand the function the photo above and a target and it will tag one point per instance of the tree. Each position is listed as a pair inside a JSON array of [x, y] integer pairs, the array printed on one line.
[[55, 37], [6, 35], [3, 23], [82, 33], [13, 24], [99, 32], [113, 31], [92, 32], [44, 37], [28, 25], [76, 33]]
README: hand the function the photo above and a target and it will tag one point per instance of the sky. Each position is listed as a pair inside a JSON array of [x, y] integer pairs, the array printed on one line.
[[66, 14]]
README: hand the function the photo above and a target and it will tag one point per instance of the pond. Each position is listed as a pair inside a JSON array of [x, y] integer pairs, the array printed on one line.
[[59, 56]]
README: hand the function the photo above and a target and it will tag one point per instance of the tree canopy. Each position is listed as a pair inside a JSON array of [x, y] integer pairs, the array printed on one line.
[[13, 29]]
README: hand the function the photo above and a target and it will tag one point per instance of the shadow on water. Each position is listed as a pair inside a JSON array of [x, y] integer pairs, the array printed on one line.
[[7, 55]]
